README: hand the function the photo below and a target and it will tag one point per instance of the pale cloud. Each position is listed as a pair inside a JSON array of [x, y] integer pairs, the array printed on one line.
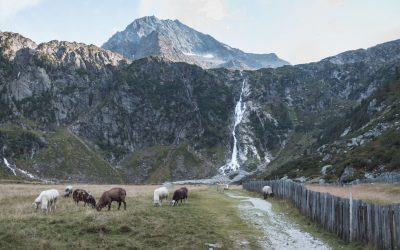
[[8, 8], [199, 14], [214, 9], [185, 9]]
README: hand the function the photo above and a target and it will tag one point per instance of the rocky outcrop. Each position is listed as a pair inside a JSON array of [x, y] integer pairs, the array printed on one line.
[[11, 43], [78, 55]]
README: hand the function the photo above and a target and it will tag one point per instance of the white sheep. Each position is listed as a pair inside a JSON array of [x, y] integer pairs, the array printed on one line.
[[222, 187], [68, 191], [47, 199], [267, 191], [160, 194]]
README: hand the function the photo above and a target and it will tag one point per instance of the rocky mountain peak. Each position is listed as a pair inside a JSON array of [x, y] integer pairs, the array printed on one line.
[[12, 42], [59, 52], [78, 54], [150, 36]]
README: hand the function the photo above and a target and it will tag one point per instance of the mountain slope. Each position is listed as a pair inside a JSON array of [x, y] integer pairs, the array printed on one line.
[[150, 36], [79, 112]]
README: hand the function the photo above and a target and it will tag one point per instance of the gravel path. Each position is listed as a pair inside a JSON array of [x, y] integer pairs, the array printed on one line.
[[278, 232]]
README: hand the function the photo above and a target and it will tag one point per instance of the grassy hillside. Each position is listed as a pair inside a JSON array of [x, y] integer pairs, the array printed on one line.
[[161, 163], [55, 155], [68, 156]]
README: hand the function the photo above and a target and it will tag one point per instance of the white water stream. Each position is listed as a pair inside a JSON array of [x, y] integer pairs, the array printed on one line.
[[14, 169], [233, 164], [9, 166]]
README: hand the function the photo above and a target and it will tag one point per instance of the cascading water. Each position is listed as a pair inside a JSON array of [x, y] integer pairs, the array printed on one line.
[[240, 107], [9, 166], [14, 169]]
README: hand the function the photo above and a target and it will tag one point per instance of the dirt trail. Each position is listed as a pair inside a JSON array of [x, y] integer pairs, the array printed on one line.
[[278, 232]]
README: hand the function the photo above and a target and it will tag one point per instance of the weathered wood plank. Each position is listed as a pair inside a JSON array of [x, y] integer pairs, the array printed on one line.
[[350, 220]]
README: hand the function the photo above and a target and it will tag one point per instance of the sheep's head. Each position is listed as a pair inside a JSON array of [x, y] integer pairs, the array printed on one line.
[[172, 203], [35, 205], [91, 201], [99, 206]]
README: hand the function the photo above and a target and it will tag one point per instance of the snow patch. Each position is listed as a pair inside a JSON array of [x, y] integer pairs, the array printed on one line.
[[346, 131], [199, 55]]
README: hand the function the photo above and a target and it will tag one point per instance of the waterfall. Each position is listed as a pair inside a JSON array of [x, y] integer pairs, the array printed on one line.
[[9, 166], [240, 107], [14, 169]]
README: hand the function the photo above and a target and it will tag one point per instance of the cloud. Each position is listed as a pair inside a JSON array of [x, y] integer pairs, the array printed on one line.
[[195, 13], [9, 8]]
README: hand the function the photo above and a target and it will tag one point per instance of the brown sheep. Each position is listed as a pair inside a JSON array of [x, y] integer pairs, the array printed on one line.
[[90, 200], [82, 195], [114, 194]]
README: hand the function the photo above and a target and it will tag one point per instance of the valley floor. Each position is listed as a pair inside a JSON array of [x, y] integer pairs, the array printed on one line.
[[209, 217]]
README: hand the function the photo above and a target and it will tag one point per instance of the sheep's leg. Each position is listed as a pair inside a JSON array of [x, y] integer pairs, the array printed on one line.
[[124, 205], [109, 206], [119, 204]]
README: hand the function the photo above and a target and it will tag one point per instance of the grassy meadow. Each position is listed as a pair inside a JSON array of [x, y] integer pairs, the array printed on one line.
[[378, 193], [209, 217]]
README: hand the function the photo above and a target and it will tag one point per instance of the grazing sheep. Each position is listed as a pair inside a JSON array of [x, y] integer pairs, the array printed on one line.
[[90, 200], [186, 191], [82, 195], [179, 195], [222, 187], [267, 191], [68, 191], [47, 199], [114, 194], [160, 194]]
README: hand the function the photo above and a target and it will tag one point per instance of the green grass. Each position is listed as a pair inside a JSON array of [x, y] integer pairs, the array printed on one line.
[[161, 163], [209, 217], [66, 155]]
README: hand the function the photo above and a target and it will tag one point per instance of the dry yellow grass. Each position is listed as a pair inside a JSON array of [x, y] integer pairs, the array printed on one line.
[[17, 198], [208, 217], [382, 193]]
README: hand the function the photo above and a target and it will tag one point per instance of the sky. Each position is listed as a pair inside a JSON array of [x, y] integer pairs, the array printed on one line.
[[298, 31]]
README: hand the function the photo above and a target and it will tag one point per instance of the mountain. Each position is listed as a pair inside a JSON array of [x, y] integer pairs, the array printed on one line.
[[150, 36], [76, 112]]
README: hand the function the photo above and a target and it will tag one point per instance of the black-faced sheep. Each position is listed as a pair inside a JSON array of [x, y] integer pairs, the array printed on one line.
[[68, 191], [179, 195], [267, 191]]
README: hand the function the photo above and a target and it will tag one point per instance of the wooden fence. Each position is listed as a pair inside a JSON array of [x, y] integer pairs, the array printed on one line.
[[350, 219]]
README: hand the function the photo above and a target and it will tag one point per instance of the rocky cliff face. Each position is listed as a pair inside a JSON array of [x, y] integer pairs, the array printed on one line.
[[150, 36], [79, 112]]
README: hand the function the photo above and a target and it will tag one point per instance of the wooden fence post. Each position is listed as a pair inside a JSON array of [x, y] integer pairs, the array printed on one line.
[[351, 218]]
